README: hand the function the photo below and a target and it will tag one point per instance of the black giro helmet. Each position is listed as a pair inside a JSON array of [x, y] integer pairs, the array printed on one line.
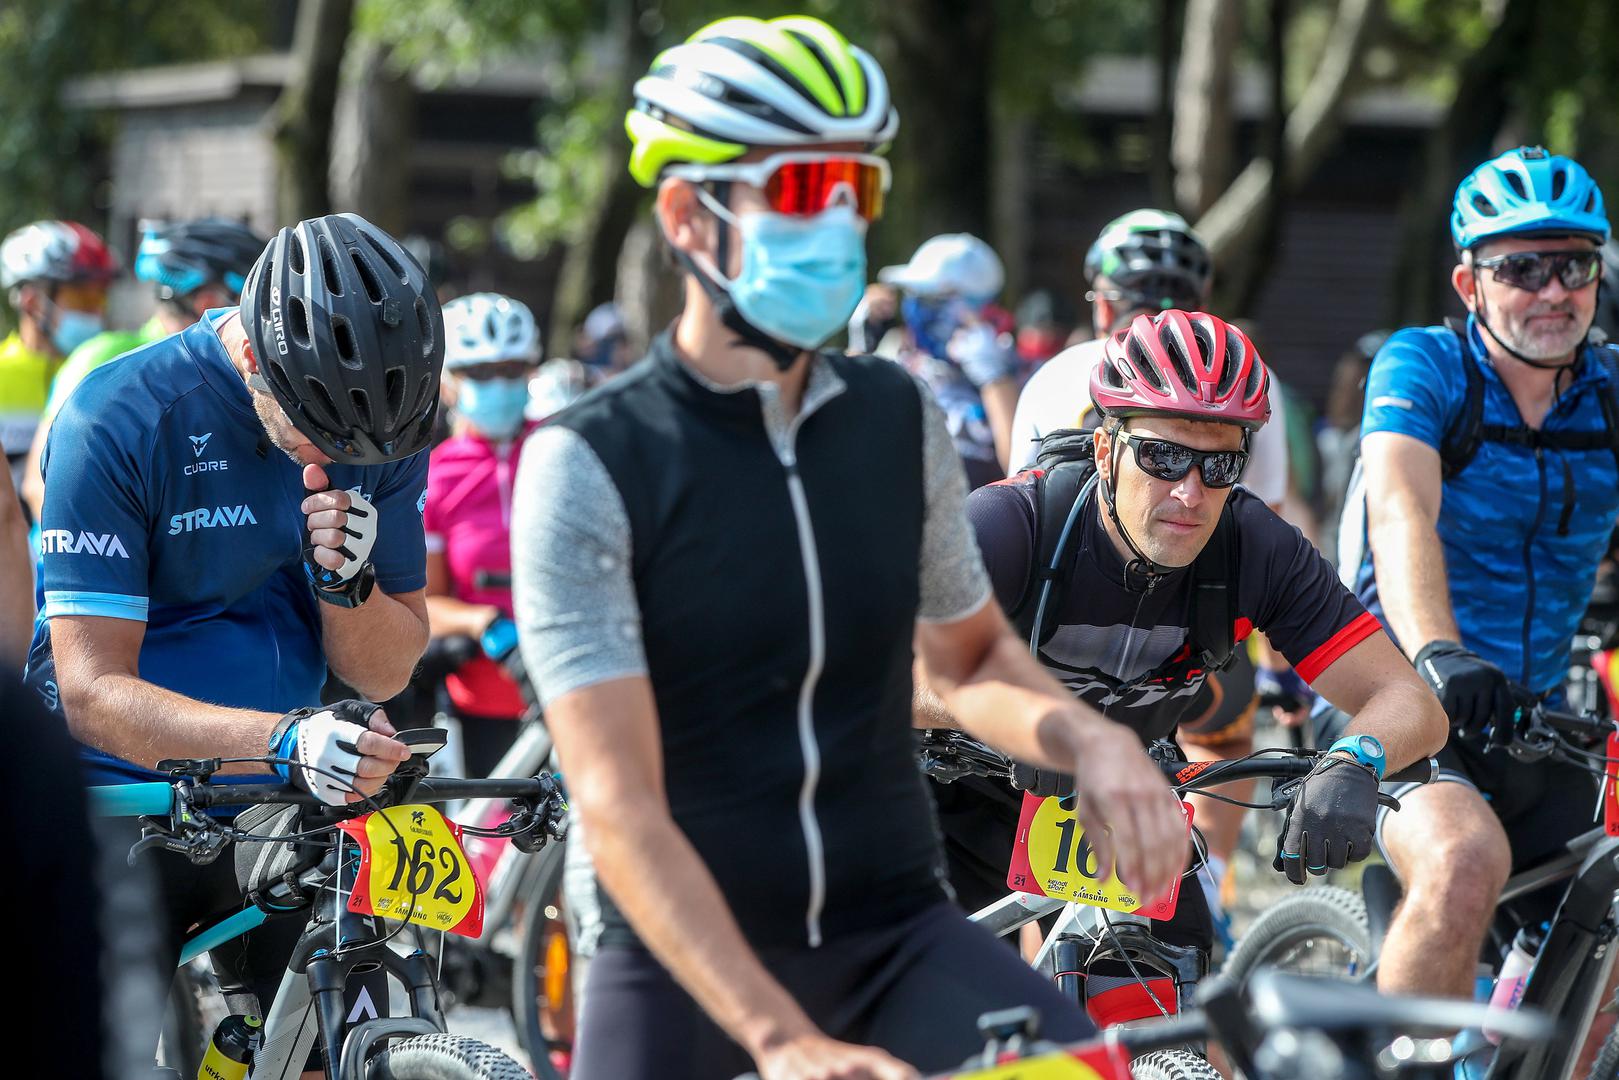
[[1153, 257], [349, 337], [182, 257]]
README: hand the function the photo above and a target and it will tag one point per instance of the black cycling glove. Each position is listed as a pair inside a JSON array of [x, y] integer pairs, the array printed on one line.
[[1330, 821], [1475, 693]]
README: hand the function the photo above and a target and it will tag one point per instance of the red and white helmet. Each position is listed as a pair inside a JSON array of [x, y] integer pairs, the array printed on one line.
[[1187, 364], [62, 251]]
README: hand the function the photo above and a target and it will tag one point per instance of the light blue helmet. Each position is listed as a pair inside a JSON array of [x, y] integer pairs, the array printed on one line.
[[1527, 191]]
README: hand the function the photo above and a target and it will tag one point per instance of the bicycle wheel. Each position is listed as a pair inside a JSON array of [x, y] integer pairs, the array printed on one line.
[[1320, 931], [1173, 1065], [542, 991], [443, 1057]]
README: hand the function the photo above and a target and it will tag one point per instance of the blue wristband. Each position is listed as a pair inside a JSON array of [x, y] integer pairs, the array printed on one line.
[[284, 744]]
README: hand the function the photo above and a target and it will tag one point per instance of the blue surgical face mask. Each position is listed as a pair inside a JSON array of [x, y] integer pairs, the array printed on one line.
[[801, 277], [74, 328], [493, 406]]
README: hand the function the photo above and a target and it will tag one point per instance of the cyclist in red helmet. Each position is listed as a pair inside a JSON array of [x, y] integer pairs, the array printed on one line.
[[1159, 566], [55, 274]]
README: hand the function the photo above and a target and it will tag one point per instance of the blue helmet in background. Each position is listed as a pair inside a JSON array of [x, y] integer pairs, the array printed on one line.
[[1527, 191]]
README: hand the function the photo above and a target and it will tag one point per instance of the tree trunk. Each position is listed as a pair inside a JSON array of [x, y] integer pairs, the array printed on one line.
[[373, 132], [1242, 276], [1460, 141], [302, 128], [1200, 146], [1233, 222], [589, 274], [937, 57], [1166, 47]]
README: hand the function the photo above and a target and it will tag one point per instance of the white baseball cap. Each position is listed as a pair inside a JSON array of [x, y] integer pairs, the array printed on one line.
[[957, 264]]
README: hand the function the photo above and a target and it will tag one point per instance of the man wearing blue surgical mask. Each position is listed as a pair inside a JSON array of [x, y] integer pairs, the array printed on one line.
[[957, 342], [723, 563], [55, 274]]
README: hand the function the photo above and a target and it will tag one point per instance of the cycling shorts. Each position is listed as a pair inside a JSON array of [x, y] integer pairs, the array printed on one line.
[[915, 989]]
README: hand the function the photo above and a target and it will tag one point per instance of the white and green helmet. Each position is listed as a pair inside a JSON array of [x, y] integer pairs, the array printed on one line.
[[1151, 256], [742, 83]]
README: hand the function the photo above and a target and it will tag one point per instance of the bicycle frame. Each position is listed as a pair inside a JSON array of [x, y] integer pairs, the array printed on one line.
[[1575, 959]]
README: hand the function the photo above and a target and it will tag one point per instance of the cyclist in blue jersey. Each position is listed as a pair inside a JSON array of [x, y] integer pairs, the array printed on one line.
[[1490, 489], [198, 584]]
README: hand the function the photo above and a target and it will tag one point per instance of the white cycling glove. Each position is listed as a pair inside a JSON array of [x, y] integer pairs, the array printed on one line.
[[319, 743], [361, 536]]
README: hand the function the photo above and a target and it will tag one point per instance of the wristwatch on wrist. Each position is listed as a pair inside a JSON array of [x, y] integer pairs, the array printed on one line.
[[1365, 749], [353, 592]]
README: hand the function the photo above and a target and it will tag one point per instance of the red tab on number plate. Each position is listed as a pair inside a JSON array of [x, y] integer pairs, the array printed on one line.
[[413, 868], [1051, 858], [1610, 788]]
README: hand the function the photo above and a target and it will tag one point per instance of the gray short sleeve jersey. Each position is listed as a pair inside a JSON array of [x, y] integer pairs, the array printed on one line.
[[572, 586]]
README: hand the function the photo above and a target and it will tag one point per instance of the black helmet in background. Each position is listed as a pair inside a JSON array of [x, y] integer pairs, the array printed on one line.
[[349, 338], [182, 257]]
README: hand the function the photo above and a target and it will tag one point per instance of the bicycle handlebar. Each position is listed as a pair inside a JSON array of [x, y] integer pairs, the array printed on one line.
[[156, 798]]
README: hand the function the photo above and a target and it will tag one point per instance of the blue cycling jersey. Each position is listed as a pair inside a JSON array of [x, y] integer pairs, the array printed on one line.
[[166, 504], [1522, 530]]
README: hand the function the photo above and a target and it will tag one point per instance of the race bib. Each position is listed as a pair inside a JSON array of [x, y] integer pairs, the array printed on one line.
[[1051, 857], [413, 868], [1102, 1063], [1610, 788]]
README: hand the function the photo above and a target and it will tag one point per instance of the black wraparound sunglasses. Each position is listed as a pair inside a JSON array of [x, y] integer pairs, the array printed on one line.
[[1167, 460]]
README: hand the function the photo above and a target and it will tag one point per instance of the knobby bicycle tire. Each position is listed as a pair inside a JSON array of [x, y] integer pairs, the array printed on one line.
[[1606, 1066], [1325, 914], [1173, 1065], [443, 1057]]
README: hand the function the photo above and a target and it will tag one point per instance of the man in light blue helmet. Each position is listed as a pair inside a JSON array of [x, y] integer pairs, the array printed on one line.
[[1490, 473]]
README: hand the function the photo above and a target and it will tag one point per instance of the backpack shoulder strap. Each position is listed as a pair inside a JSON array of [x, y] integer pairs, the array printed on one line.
[[1212, 629], [1058, 495], [1466, 433]]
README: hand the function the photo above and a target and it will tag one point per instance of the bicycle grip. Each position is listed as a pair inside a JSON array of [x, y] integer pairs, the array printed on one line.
[[1422, 771]]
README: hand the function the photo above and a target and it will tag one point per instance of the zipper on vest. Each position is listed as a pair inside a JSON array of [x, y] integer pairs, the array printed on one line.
[[814, 846]]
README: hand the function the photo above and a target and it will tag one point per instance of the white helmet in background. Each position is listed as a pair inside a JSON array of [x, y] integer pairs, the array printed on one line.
[[953, 264], [486, 328], [558, 384]]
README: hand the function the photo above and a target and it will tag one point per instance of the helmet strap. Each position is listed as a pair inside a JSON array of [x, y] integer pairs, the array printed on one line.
[[714, 284], [1141, 565]]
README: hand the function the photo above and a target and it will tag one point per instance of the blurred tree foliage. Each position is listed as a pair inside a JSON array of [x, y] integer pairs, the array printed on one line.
[[43, 43]]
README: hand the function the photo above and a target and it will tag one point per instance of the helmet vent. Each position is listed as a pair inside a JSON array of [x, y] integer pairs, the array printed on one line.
[[1177, 353], [382, 252], [343, 338], [295, 252], [1559, 183], [394, 387], [424, 320], [328, 267], [1143, 364], [1484, 206], [1234, 356], [368, 277], [298, 321], [1515, 182], [319, 402], [362, 409], [424, 392]]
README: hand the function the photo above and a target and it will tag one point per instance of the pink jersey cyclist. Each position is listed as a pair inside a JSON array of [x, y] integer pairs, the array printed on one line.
[[492, 349]]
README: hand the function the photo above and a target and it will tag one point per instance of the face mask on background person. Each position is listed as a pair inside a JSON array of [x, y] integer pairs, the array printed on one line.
[[493, 406], [74, 328]]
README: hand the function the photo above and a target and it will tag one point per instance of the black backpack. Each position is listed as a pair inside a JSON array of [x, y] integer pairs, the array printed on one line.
[[1065, 475], [1469, 431]]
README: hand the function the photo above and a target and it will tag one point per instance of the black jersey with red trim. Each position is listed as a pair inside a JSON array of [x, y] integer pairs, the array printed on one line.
[[1121, 646]]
